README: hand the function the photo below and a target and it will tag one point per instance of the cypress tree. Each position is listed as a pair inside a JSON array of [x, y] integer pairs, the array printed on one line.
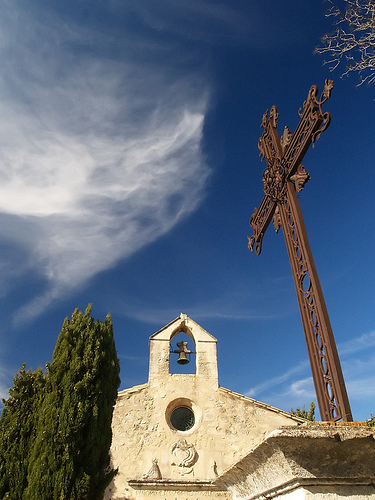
[[309, 415], [70, 459], [17, 431]]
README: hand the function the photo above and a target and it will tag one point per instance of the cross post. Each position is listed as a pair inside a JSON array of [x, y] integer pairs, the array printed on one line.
[[283, 177]]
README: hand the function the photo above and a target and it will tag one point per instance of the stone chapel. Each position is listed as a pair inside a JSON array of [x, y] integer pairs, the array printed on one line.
[[182, 436]]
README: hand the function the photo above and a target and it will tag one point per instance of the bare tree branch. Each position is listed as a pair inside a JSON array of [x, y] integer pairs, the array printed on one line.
[[354, 39]]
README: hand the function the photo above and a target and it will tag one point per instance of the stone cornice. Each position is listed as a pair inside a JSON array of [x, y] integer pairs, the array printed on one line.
[[311, 454]]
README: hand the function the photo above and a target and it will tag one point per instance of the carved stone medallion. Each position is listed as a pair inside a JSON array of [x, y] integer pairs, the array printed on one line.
[[184, 456]]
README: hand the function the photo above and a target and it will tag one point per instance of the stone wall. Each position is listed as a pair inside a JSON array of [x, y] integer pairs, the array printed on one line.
[[227, 427]]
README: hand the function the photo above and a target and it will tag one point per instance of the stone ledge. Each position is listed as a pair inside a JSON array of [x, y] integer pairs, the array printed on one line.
[[294, 484], [165, 484], [344, 430], [335, 424]]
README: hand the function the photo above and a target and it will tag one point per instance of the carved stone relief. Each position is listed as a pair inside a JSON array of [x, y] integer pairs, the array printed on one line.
[[184, 456], [154, 472]]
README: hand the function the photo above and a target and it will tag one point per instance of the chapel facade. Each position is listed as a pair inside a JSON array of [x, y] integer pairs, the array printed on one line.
[[182, 436]]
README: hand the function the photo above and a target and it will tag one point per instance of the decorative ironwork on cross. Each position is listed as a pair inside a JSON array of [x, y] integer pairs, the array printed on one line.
[[283, 177]]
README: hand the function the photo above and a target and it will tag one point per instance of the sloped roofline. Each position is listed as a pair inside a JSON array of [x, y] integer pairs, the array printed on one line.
[[179, 320], [132, 390], [138, 388], [265, 406]]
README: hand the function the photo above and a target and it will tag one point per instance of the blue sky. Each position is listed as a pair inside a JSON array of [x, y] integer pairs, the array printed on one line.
[[129, 170]]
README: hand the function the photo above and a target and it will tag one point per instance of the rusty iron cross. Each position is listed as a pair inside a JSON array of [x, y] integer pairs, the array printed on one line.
[[283, 177]]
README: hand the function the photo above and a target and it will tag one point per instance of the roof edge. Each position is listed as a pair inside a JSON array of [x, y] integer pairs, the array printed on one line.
[[131, 390], [266, 406], [180, 319]]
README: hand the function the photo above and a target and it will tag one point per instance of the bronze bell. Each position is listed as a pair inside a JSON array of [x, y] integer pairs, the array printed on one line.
[[182, 351], [182, 358]]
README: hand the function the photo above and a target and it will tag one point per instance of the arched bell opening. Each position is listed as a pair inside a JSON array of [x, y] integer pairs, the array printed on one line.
[[182, 355]]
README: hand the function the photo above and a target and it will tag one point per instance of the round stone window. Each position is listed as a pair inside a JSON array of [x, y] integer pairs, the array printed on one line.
[[182, 418]]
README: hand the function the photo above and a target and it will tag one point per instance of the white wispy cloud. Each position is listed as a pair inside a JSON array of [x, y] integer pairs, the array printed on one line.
[[97, 156], [278, 380], [357, 344], [210, 21], [4, 388], [211, 310], [292, 388], [362, 388]]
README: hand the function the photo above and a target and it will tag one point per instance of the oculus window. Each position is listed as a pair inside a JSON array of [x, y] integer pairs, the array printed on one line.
[[182, 418]]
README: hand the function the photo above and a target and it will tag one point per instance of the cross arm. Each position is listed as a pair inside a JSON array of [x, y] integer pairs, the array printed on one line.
[[259, 222], [284, 158], [312, 124], [271, 149]]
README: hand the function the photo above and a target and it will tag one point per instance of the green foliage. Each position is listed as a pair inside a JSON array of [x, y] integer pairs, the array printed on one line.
[[371, 421], [308, 415], [70, 459], [18, 430], [55, 429]]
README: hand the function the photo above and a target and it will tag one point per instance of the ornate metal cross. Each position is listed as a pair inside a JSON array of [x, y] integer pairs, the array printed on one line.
[[282, 178]]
